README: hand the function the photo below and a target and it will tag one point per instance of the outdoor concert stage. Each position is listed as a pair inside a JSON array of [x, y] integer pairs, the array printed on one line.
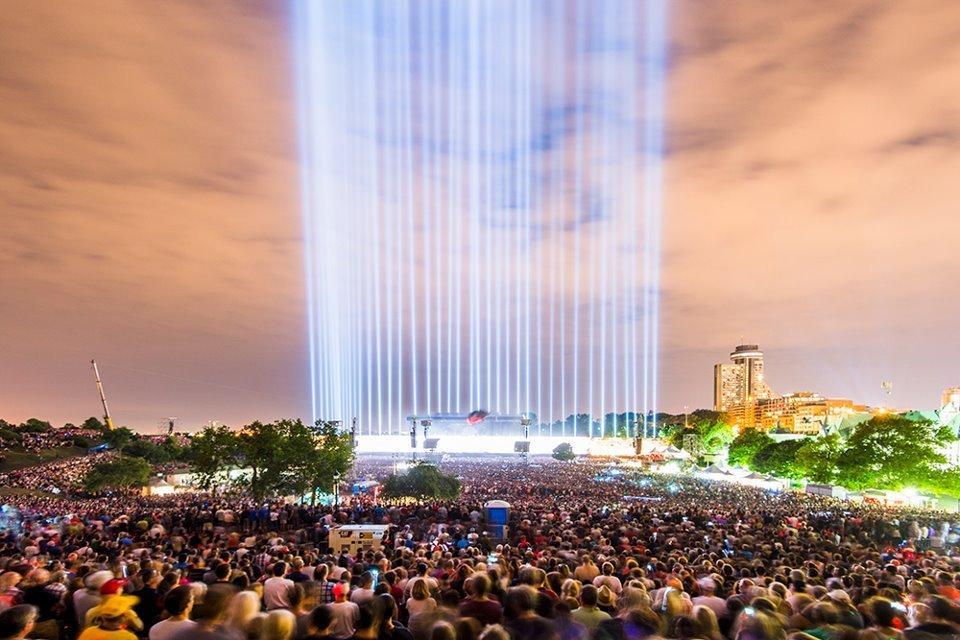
[[474, 444]]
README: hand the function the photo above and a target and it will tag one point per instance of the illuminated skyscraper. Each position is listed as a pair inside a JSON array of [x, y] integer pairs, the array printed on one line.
[[950, 396], [740, 384]]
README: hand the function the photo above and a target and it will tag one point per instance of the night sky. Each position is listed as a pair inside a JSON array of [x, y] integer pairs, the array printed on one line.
[[150, 215]]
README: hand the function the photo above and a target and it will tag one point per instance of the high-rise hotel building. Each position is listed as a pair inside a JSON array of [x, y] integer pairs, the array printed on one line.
[[740, 382]]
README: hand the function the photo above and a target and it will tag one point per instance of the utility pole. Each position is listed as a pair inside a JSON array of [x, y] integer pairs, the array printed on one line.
[[103, 399]]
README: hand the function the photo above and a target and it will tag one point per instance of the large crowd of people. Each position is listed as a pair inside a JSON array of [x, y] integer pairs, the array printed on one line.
[[57, 476], [586, 555], [35, 442]]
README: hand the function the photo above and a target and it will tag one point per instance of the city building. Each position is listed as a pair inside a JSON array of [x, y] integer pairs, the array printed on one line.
[[740, 389], [948, 415], [951, 395], [740, 381], [740, 384], [805, 413]]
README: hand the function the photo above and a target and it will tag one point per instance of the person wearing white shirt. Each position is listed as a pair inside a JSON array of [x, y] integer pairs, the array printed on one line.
[[276, 590], [178, 603], [343, 613], [364, 593]]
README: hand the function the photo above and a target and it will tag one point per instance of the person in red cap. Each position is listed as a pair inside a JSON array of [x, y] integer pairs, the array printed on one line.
[[343, 613]]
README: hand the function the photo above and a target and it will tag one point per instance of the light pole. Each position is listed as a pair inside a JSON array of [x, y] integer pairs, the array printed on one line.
[[413, 436], [637, 437], [525, 422]]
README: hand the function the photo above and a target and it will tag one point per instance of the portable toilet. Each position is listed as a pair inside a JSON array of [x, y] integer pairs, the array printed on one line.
[[497, 515]]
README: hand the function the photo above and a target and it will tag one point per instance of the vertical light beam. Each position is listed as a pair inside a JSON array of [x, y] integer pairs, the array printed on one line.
[[467, 175]]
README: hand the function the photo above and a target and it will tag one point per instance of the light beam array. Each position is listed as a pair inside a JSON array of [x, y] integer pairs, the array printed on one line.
[[481, 196]]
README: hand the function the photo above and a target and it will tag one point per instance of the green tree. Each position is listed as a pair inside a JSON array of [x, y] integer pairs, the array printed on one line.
[[745, 446], [779, 459], [93, 424], [283, 457], [564, 452], [115, 475], [171, 449], [142, 448], [422, 482], [942, 482], [119, 437], [321, 455], [713, 435], [83, 442], [891, 452], [9, 435], [818, 458], [35, 425], [265, 452], [213, 453]]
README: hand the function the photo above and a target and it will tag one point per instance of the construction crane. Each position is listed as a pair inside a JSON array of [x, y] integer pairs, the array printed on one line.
[[103, 399]]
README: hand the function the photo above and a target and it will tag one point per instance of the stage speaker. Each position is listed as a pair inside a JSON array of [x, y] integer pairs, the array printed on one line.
[[521, 446], [430, 444]]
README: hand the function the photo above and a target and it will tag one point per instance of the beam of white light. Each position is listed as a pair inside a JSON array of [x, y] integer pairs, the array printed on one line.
[[467, 178]]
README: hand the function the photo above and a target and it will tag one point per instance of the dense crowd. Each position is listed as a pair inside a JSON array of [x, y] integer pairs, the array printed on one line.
[[34, 442], [57, 477], [587, 555]]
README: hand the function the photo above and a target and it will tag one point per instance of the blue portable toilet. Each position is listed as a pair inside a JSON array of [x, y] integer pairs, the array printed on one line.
[[497, 515]]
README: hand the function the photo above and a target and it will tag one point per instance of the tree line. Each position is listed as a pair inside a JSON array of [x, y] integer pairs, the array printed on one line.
[[284, 457], [889, 452], [267, 459]]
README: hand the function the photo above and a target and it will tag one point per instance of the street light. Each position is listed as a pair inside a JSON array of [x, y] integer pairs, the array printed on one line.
[[413, 436], [525, 422], [637, 437]]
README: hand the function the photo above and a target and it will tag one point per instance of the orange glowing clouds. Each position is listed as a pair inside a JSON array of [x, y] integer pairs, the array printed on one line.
[[149, 204]]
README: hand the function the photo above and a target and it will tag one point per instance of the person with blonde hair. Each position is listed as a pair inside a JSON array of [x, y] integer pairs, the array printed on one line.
[[243, 608], [571, 589], [756, 624], [495, 632], [279, 624], [707, 619]]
